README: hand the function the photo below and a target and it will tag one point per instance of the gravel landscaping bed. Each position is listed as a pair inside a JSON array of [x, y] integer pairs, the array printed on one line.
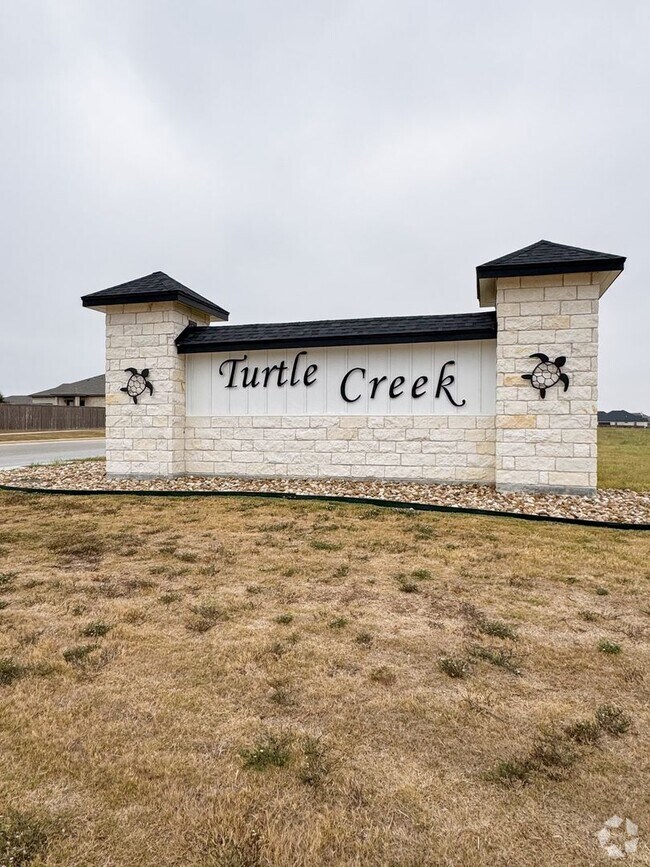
[[625, 507]]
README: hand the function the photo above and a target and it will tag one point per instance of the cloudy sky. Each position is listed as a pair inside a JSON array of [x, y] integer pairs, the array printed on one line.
[[321, 159]]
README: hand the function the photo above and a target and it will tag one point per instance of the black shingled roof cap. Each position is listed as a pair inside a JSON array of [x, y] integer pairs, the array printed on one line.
[[339, 332], [546, 257], [154, 287]]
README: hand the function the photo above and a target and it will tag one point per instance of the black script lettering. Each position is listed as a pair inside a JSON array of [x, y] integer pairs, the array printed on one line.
[[253, 380], [275, 374], [281, 369], [294, 367], [419, 383], [233, 369], [267, 373], [375, 381], [445, 381], [398, 382], [344, 382]]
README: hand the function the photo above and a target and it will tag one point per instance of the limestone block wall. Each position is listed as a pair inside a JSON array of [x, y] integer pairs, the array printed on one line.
[[146, 439], [549, 442], [456, 448], [528, 443]]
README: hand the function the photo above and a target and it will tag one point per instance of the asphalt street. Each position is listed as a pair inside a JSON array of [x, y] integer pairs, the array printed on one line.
[[45, 452]]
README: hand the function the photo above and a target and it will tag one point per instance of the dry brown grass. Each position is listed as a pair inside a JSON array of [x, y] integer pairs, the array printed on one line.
[[237, 683], [41, 436]]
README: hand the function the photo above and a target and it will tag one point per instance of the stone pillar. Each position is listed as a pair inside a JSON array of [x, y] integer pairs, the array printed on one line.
[[547, 443], [147, 438]]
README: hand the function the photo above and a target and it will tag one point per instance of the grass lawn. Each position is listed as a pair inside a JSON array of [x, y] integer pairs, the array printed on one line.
[[42, 436], [624, 458], [238, 683]]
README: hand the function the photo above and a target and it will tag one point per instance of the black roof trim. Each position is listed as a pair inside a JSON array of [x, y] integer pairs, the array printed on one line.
[[339, 332], [547, 257], [154, 287]]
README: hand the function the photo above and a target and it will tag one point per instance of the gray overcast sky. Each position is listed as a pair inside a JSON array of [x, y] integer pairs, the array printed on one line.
[[302, 160]]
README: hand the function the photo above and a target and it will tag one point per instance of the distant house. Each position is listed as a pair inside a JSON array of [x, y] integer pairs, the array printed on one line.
[[623, 418], [20, 399], [85, 392]]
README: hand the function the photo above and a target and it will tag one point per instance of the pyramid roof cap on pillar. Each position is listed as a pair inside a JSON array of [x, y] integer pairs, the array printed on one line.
[[154, 287], [544, 258]]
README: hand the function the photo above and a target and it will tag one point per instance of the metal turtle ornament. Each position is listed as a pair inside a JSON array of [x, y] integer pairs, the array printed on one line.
[[137, 383], [547, 373]]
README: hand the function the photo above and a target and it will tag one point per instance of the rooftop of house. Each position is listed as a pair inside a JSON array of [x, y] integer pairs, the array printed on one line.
[[18, 399], [622, 415], [94, 386]]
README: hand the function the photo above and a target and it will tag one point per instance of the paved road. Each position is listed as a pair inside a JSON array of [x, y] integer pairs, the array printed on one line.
[[44, 452]]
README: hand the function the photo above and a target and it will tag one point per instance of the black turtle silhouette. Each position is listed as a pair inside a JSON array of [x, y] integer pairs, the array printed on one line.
[[137, 383], [547, 373]]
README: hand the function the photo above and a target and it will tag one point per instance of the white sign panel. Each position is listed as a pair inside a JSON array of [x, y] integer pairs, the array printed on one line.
[[451, 378]]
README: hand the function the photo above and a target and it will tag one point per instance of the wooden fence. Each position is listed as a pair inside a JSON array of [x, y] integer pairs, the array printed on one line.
[[17, 417]]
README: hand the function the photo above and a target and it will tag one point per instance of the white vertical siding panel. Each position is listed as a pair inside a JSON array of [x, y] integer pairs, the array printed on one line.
[[469, 387], [488, 377], [336, 369], [276, 397], [421, 366], [199, 385], [474, 375], [297, 394], [315, 394], [379, 365], [357, 356]]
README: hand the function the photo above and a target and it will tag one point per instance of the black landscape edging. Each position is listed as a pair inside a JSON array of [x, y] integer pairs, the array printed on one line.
[[364, 501]]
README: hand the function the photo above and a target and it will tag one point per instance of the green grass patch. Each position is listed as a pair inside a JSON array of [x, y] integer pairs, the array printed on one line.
[[613, 720], [323, 545], [78, 654], [607, 646], [624, 458], [497, 629], [96, 629], [22, 839], [269, 751], [10, 670], [453, 666], [497, 656], [338, 623]]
